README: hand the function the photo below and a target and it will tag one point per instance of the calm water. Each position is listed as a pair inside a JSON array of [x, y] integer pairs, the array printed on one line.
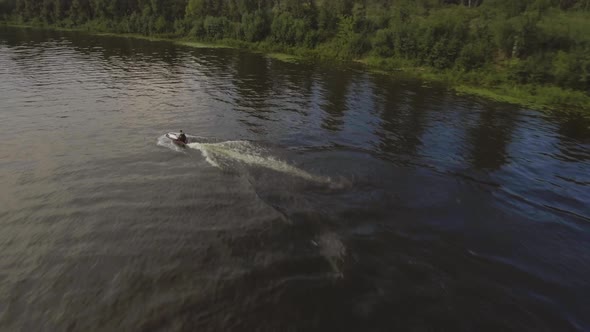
[[312, 197]]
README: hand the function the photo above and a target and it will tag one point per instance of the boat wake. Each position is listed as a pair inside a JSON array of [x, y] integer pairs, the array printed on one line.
[[235, 155], [167, 143], [230, 155]]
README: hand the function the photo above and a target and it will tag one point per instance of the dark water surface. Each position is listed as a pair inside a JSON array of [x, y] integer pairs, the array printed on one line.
[[312, 198]]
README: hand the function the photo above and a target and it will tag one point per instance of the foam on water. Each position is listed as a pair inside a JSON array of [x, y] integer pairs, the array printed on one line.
[[224, 154], [167, 143], [332, 248]]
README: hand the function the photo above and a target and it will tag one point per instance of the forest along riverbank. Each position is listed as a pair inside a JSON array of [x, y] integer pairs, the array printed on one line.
[[532, 53]]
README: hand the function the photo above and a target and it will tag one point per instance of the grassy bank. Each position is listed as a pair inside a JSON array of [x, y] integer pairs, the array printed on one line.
[[493, 84], [490, 83], [534, 97]]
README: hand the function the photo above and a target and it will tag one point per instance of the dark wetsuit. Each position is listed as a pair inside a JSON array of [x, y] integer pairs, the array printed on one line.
[[182, 138]]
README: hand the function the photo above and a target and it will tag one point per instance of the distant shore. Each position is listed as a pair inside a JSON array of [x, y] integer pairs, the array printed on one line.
[[482, 83]]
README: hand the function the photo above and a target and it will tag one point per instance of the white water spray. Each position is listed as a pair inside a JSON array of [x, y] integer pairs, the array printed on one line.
[[224, 153]]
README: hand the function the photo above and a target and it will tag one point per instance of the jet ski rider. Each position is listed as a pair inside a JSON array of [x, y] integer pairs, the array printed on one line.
[[182, 137]]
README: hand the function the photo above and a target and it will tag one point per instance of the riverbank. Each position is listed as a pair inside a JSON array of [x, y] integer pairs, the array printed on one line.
[[493, 85], [271, 51], [490, 83]]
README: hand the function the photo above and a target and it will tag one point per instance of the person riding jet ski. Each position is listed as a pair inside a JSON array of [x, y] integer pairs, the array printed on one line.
[[182, 137]]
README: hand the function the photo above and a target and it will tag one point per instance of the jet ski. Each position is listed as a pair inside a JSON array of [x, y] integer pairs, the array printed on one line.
[[174, 138]]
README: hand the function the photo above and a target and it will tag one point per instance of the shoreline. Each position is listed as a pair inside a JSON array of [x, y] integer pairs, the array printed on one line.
[[537, 97]]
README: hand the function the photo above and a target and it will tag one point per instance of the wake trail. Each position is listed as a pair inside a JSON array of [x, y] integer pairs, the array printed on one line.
[[234, 155], [224, 155]]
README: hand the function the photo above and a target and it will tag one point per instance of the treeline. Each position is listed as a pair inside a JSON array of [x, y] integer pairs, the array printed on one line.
[[523, 41]]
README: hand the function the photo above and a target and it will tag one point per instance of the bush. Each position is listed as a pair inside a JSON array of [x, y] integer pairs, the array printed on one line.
[[327, 20], [182, 26], [311, 39], [535, 69], [504, 36], [197, 29], [572, 69], [217, 27], [255, 26], [286, 29], [160, 25], [441, 36], [405, 39], [474, 55], [358, 45], [347, 43], [382, 43]]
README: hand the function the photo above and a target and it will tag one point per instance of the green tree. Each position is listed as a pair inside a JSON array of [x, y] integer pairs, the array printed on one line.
[[288, 30], [255, 26]]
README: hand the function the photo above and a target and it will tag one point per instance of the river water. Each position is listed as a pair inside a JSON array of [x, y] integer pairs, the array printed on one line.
[[312, 197]]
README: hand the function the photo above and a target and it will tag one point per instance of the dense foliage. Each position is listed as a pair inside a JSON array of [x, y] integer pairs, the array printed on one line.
[[523, 41]]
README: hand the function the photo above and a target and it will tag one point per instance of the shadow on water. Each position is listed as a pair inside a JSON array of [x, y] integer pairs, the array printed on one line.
[[491, 137], [253, 84], [404, 118], [335, 87]]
